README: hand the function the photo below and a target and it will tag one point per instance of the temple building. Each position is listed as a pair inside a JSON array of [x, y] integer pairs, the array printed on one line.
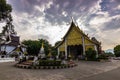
[[12, 46], [76, 42], [10, 43]]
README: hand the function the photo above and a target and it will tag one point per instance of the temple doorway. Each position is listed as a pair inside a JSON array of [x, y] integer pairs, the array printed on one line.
[[75, 51]]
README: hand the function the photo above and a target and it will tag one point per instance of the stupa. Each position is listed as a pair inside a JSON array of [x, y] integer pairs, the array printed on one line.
[[41, 53]]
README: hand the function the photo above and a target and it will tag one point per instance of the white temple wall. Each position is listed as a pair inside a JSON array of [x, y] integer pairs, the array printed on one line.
[[8, 48]]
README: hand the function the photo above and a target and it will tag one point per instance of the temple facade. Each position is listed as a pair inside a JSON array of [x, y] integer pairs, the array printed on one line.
[[75, 43], [12, 46]]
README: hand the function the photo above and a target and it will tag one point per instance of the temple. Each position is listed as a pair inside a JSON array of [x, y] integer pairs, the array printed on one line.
[[13, 46], [10, 43], [75, 43]]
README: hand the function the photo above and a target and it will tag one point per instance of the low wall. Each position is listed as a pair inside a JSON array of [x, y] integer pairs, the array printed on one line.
[[7, 59]]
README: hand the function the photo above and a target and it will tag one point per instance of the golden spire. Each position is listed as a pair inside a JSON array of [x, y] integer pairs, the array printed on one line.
[[72, 19], [73, 22], [42, 45]]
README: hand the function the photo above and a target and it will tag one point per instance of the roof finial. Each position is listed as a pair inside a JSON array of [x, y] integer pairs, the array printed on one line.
[[73, 22], [72, 19]]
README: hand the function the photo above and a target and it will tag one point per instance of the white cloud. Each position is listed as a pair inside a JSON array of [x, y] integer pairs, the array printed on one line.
[[98, 20], [64, 13], [109, 38], [36, 27], [43, 7]]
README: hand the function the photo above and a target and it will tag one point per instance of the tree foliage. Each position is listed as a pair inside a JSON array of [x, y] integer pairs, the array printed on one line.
[[103, 56], [33, 46], [54, 51], [5, 15], [91, 54], [5, 10], [117, 51], [109, 54]]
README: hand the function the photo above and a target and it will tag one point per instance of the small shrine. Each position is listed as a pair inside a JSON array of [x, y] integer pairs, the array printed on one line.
[[41, 53]]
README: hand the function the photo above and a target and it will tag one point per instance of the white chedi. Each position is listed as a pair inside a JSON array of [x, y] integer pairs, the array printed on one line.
[[42, 52]]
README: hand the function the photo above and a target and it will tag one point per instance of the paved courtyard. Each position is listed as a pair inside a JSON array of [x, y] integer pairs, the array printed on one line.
[[84, 69]]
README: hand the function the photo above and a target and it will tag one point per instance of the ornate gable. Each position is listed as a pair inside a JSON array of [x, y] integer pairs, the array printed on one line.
[[74, 36]]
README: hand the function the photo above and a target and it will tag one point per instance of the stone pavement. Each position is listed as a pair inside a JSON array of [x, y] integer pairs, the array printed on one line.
[[84, 69], [109, 75]]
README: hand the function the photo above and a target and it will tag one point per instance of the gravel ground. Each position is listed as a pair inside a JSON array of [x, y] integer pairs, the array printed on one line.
[[84, 69]]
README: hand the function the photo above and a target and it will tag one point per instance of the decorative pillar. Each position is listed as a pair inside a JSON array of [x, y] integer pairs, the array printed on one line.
[[83, 43], [58, 53], [65, 49], [95, 47]]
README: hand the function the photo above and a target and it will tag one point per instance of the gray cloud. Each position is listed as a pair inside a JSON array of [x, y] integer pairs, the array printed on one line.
[[60, 11], [26, 5], [109, 6], [112, 25], [72, 8], [43, 37]]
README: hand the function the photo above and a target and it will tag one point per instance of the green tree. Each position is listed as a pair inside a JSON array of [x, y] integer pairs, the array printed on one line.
[[33, 46], [109, 54], [103, 56], [5, 10], [91, 54], [5, 15], [54, 51], [117, 51]]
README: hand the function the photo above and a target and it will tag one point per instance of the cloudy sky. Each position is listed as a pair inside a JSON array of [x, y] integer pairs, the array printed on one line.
[[50, 19]]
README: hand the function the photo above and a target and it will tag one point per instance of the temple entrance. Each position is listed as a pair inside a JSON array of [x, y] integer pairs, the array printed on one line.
[[75, 51]]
